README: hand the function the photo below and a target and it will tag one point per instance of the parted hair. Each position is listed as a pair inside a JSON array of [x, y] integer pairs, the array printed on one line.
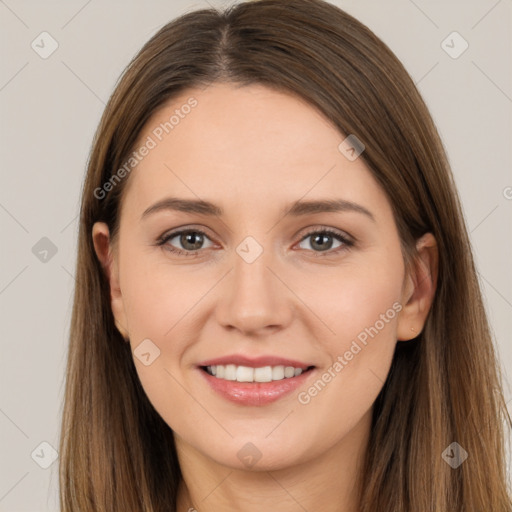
[[116, 452]]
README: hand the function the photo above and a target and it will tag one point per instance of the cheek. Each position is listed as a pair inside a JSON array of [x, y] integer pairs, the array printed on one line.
[[365, 302], [363, 315], [362, 310], [361, 297], [156, 303], [155, 297]]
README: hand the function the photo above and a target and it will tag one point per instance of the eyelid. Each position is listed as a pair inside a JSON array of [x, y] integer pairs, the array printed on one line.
[[320, 228], [171, 233]]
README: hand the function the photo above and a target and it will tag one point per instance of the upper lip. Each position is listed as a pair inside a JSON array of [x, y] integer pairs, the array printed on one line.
[[255, 362]]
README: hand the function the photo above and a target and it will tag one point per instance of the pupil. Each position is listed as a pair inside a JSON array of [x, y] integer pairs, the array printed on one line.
[[322, 245], [188, 236]]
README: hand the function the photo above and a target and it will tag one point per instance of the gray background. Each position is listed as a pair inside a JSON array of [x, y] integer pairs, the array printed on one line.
[[51, 107]]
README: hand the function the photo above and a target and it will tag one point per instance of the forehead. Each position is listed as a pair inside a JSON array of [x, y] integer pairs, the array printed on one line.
[[251, 145]]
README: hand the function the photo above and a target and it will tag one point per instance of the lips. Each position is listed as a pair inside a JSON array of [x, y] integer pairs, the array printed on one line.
[[260, 391]]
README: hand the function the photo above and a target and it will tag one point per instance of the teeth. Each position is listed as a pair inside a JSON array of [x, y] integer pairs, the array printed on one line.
[[230, 372], [263, 374], [289, 372], [243, 374], [278, 373], [248, 374]]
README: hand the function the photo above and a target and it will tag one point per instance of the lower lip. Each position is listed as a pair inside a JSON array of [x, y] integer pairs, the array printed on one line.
[[255, 393]]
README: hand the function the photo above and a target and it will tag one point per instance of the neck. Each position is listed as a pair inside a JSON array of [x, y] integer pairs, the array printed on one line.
[[328, 482]]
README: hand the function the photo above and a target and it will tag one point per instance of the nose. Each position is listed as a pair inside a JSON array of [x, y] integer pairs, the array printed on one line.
[[255, 298]]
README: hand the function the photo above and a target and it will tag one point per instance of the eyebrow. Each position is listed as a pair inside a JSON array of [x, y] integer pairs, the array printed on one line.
[[296, 209]]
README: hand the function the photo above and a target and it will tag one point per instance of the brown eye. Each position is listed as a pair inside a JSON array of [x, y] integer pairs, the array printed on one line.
[[189, 242], [322, 240]]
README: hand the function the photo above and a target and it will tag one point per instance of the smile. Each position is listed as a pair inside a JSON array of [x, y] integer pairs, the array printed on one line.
[[232, 372]]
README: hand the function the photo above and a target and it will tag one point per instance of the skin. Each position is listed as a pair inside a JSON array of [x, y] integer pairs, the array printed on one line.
[[253, 151]]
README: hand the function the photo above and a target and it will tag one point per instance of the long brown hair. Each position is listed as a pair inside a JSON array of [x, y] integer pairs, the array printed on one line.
[[116, 452]]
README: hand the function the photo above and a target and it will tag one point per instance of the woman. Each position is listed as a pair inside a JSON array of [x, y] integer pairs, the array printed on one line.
[[276, 305]]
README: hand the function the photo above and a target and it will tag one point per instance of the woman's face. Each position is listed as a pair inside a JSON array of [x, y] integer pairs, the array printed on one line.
[[255, 289]]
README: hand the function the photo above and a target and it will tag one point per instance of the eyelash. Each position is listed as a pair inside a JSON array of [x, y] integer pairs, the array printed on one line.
[[347, 244]]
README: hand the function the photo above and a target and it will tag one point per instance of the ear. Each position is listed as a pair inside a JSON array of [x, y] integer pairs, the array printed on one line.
[[109, 261], [419, 289]]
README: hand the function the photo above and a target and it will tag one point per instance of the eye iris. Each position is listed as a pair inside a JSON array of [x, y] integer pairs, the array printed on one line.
[[322, 246], [184, 240]]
